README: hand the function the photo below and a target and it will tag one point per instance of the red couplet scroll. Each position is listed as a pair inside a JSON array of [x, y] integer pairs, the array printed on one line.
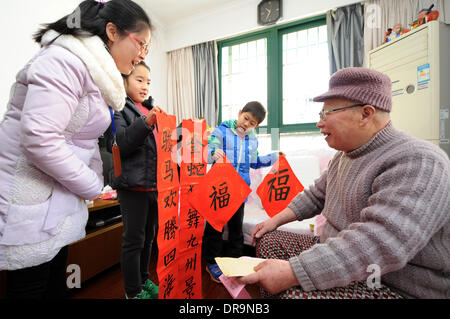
[[168, 205]]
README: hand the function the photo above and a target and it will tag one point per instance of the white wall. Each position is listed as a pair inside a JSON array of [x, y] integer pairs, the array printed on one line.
[[157, 60], [20, 19], [237, 18]]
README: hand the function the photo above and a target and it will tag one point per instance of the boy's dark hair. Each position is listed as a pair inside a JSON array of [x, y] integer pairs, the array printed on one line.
[[256, 109], [91, 17]]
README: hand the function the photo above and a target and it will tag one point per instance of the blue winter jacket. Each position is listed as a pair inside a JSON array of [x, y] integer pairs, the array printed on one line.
[[242, 152]]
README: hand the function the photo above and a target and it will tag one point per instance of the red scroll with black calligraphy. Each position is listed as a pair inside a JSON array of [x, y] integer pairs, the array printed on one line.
[[192, 171], [279, 187], [168, 204], [220, 194]]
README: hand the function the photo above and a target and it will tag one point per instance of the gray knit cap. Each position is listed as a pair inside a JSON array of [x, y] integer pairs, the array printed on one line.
[[362, 85]]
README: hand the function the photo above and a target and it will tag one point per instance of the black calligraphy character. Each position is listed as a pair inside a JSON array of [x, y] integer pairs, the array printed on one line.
[[281, 193], [189, 287], [193, 218], [169, 170], [223, 197], [167, 141], [191, 262], [168, 285], [192, 242], [196, 169], [170, 228], [170, 200], [195, 144], [169, 257]]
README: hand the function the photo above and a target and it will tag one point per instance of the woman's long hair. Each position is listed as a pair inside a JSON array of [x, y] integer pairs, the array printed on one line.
[[90, 18]]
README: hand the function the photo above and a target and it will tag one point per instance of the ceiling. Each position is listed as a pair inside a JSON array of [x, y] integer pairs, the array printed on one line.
[[167, 12]]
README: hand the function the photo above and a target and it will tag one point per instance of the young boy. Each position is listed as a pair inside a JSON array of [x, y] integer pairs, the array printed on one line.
[[237, 140]]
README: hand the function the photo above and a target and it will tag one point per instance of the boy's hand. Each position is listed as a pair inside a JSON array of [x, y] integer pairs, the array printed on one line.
[[218, 154]]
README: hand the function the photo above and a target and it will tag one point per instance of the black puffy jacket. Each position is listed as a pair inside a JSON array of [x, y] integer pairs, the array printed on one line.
[[137, 146]]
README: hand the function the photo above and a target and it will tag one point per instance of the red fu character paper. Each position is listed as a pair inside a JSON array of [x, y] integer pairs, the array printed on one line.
[[279, 187], [219, 194]]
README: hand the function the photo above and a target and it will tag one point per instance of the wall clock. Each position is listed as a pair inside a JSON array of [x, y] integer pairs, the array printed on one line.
[[269, 11]]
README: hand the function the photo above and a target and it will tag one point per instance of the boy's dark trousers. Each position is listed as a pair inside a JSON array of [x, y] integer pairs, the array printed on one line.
[[213, 242]]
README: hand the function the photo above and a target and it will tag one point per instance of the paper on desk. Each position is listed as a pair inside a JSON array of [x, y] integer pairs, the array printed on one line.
[[242, 266]]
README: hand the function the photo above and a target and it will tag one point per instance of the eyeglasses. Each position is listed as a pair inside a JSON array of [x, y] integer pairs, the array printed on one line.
[[143, 48], [323, 113]]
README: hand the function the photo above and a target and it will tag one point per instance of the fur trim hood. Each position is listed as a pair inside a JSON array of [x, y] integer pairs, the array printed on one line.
[[99, 63]]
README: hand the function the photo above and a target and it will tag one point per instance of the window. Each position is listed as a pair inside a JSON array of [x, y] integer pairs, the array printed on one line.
[[305, 73], [283, 67], [244, 76]]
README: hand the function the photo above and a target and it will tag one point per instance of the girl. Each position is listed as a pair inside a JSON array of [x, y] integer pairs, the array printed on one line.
[[49, 156], [136, 186]]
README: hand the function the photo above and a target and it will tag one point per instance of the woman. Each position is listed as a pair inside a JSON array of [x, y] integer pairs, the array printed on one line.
[[49, 157]]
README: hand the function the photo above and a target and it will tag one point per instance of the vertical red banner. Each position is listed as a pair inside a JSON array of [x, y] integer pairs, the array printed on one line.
[[168, 208], [192, 170], [194, 148]]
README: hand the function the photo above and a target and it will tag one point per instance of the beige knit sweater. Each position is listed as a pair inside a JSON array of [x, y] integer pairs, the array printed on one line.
[[386, 203]]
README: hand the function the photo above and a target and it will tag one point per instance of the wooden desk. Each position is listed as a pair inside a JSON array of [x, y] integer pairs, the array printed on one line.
[[102, 204], [101, 247]]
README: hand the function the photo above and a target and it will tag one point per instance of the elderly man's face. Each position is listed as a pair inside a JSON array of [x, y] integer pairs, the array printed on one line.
[[340, 128]]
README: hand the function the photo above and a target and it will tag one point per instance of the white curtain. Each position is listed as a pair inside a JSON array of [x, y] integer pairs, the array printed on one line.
[[181, 84], [383, 14]]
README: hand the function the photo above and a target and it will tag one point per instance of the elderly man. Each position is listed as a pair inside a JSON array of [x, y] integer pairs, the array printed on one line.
[[386, 199]]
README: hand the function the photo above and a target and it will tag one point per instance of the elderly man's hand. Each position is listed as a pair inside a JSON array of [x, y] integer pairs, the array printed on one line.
[[262, 228], [273, 275]]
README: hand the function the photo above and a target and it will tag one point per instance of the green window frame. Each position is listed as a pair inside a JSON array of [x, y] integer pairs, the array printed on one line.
[[274, 38]]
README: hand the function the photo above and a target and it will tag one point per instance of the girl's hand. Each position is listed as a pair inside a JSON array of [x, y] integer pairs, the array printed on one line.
[[151, 117]]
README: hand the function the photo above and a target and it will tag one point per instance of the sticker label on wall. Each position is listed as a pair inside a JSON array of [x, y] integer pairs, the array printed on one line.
[[423, 73], [398, 92], [442, 130], [443, 114], [422, 86]]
